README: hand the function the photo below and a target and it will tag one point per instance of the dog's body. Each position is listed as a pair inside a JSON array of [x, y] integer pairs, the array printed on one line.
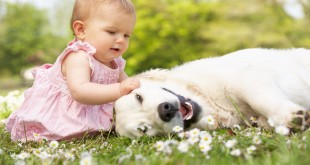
[[266, 84]]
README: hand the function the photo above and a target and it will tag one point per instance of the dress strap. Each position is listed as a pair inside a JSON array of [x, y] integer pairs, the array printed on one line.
[[75, 46]]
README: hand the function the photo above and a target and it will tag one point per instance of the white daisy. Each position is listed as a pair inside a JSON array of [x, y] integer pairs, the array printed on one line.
[[23, 155], [231, 143], [210, 120], [159, 145], [194, 132], [257, 140], [86, 160], [235, 152], [206, 138], [177, 129], [251, 149], [192, 140], [183, 146], [54, 144], [253, 119], [204, 147]]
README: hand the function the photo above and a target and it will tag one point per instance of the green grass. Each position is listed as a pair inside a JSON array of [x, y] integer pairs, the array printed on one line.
[[108, 148]]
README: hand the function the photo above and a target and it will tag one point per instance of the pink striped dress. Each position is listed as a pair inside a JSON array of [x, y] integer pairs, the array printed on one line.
[[50, 112]]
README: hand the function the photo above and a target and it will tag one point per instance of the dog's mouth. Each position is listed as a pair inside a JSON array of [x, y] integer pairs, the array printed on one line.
[[186, 106]]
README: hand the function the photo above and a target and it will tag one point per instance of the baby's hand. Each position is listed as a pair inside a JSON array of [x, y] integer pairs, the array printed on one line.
[[128, 85]]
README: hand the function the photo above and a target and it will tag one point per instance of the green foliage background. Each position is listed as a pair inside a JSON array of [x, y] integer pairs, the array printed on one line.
[[168, 32]]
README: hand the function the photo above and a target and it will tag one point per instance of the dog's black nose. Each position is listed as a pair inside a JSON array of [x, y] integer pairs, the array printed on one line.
[[167, 111]]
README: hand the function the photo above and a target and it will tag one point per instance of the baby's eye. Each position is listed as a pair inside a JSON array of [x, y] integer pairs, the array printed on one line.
[[111, 32], [127, 36]]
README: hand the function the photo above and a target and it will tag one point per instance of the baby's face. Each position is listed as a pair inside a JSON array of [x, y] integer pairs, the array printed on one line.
[[108, 30]]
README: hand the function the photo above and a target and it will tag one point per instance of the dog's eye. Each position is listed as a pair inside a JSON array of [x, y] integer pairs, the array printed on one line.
[[139, 98]]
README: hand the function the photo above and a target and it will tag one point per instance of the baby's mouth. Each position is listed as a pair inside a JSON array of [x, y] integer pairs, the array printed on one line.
[[115, 49]]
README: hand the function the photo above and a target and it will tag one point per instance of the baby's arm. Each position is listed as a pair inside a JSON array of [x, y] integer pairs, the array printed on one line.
[[77, 72]]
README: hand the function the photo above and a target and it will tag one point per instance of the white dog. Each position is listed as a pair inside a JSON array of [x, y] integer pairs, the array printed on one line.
[[272, 86]]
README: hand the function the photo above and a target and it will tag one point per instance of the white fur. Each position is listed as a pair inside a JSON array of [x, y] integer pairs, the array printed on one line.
[[266, 83]]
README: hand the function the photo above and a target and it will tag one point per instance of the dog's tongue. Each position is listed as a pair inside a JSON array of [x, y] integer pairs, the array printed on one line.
[[186, 110]]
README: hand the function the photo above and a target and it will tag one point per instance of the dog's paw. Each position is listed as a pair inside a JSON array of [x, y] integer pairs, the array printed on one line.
[[143, 128], [300, 121]]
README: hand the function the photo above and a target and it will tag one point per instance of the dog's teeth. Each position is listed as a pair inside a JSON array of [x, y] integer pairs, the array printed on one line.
[[189, 117], [190, 108], [189, 104]]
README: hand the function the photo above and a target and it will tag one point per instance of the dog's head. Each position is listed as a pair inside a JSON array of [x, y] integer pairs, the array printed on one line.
[[154, 110]]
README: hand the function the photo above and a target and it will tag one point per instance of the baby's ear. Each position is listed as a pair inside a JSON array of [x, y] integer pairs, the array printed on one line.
[[79, 29]]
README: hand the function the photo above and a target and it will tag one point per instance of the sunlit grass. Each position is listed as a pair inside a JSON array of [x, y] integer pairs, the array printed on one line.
[[225, 146]]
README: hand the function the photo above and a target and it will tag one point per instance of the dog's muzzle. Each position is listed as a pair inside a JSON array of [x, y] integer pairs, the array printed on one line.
[[189, 109], [167, 110]]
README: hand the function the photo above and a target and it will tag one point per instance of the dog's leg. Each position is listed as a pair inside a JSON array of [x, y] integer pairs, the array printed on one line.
[[277, 108], [300, 121]]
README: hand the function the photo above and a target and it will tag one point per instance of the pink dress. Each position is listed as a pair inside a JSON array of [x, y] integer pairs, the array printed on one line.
[[50, 112]]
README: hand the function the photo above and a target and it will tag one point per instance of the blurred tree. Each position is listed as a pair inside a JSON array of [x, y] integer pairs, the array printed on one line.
[[170, 32], [23, 28], [167, 33], [26, 38]]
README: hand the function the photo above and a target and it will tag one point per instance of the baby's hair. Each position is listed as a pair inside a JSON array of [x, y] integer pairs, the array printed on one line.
[[83, 9]]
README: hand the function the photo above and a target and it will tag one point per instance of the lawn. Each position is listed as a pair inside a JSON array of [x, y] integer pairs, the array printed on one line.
[[249, 146]]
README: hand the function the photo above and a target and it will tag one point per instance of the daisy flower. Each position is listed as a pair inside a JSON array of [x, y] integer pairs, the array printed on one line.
[[43, 155], [194, 132], [54, 144], [86, 160], [19, 162], [36, 151], [235, 152], [159, 145], [69, 156], [257, 140], [205, 138], [230, 143], [183, 146], [251, 149], [177, 129], [140, 157], [192, 140], [220, 138], [210, 120], [23, 155], [204, 147], [181, 135], [253, 119], [36, 136]]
